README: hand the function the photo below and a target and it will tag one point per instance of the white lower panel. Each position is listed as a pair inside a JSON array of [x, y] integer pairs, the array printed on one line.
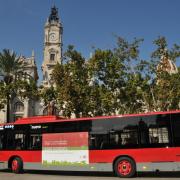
[[65, 157]]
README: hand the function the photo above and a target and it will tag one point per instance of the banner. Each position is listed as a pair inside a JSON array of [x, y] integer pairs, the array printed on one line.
[[64, 149]]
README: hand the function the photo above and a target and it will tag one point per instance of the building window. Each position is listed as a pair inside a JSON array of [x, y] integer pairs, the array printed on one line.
[[52, 56], [19, 107]]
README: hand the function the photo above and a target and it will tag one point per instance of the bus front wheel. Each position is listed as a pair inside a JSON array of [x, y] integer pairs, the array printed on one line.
[[125, 167], [17, 165]]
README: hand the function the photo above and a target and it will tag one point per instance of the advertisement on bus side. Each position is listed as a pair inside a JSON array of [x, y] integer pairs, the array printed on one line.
[[65, 149]]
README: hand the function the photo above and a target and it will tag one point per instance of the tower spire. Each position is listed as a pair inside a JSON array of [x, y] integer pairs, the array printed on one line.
[[54, 15]]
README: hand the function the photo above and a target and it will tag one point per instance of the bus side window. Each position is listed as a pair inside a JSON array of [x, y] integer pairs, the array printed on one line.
[[9, 140], [1, 141], [155, 131], [36, 141], [99, 141], [19, 141], [129, 137], [175, 118], [158, 135]]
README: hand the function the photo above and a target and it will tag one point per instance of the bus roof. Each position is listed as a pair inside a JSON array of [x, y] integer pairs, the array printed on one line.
[[49, 119]]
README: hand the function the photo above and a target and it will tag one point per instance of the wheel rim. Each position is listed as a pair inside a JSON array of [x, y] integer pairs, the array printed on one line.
[[14, 165], [124, 167]]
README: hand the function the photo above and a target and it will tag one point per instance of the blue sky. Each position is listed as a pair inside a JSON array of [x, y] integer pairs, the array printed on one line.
[[88, 23]]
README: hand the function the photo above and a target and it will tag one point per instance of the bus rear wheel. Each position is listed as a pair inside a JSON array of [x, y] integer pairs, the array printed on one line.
[[17, 165], [125, 167]]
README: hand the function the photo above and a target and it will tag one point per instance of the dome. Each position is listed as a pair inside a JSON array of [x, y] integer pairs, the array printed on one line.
[[167, 65]]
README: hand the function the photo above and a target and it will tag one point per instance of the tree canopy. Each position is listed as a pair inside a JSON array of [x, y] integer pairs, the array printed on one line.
[[111, 81], [14, 81], [117, 80]]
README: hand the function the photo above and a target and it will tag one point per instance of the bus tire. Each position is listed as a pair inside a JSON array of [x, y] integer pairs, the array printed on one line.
[[125, 167], [17, 165]]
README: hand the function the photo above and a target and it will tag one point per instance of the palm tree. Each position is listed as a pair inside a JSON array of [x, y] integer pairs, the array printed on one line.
[[10, 65]]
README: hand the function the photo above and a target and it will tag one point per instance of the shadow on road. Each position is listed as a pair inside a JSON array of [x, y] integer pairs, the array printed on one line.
[[159, 174], [100, 174], [72, 173]]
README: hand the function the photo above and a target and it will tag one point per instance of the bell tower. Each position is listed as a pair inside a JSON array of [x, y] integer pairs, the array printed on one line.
[[52, 46]]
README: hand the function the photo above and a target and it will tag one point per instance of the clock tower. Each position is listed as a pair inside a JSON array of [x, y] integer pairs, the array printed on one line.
[[52, 46]]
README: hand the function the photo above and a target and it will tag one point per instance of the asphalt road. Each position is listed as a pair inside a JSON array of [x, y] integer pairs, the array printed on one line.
[[44, 175]]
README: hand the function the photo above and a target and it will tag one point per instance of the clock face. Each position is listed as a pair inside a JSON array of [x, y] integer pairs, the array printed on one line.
[[52, 37]]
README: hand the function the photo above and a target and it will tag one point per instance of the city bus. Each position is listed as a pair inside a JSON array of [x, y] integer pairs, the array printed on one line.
[[123, 144]]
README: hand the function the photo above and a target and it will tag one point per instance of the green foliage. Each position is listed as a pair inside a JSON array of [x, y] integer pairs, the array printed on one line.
[[110, 82], [48, 94], [72, 82], [163, 91], [13, 80], [117, 81]]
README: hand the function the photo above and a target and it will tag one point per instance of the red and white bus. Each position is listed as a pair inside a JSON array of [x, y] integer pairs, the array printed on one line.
[[124, 144]]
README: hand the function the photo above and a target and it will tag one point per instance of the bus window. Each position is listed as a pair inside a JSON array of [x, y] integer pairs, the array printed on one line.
[[19, 141], [99, 134], [1, 141], [175, 118], [114, 133], [115, 140], [155, 130], [9, 140], [129, 137], [158, 135], [99, 141], [36, 141]]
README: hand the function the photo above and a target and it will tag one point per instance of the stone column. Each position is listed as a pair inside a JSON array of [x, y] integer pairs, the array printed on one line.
[[26, 107]]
